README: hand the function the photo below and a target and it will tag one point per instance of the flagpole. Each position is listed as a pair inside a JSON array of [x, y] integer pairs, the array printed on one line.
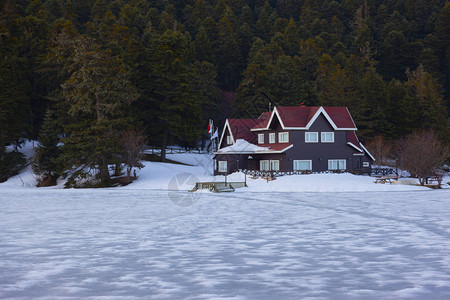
[[212, 132]]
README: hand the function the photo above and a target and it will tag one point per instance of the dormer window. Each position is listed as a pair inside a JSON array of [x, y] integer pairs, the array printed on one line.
[[261, 138], [272, 138], [283, 137], [229, 140]]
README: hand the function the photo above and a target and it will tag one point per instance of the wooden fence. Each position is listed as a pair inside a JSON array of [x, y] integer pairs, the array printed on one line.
[[383, 172], [170, 150], [273, 174]]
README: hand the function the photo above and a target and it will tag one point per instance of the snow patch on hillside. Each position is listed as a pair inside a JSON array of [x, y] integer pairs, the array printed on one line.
[[199, 168]]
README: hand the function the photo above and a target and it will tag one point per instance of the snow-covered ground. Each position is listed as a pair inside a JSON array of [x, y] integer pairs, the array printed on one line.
[[199, 167], [134, 244], [321, 236]]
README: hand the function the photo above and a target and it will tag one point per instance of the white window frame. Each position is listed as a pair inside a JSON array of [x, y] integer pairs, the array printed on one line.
[[323, 137], [365, 164], [308, 137], [283, 137], [229, 140], [264, 165], [275, 165], [341, 164], [298, 161], [261, 138], [272, 138], [223, 166]]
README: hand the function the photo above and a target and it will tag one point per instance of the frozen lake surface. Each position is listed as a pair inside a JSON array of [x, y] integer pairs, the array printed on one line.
[[133, 244]]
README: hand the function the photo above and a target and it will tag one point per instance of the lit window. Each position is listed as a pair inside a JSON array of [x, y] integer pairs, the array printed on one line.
[[311, 137], [261, 138], [336, 164], [222, 166], [272, 138], [327, 137], [275, 165], [302, 165], [283, 137]]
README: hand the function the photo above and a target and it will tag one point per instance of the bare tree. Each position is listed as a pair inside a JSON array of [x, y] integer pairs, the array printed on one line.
[[421, 153], [133, 142], [381, 150]]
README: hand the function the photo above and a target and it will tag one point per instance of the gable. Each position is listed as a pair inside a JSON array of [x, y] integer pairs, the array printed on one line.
[[302, 118], [320, 124], [239, 129]]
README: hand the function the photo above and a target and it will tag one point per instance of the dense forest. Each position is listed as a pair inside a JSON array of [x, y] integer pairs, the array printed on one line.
[[90, 80]]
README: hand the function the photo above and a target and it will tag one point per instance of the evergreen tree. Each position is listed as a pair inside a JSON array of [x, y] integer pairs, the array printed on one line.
[[169, 104], [425, 90], [15, 117], [47, 152], [228, 53], [203, 48], [442, 33], [96, 93], [334, 86], [263, 26]]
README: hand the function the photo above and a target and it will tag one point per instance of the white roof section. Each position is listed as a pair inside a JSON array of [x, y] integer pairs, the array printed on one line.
[[242, 147]]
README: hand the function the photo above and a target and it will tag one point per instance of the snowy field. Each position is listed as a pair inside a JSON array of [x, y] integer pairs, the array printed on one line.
[[320, 236], [133, 244]]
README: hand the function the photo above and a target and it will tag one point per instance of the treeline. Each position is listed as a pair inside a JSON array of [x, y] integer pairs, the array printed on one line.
[[85, 76]]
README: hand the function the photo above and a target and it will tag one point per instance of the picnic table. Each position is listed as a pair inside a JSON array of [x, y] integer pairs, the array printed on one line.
[[384, 180], [434, 179]]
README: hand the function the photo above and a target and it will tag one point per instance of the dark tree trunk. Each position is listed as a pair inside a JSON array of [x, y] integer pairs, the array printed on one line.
[[117, 170], [129, 173], [104, 173], [164, 144]]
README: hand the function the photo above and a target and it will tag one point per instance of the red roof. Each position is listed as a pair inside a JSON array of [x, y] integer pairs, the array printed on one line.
[[351, 138], [341, 117], [276, 147], [240, 128], [300, 116], [263, 119]]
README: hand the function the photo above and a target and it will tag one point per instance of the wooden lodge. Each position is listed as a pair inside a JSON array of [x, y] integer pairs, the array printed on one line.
[[291, 139]]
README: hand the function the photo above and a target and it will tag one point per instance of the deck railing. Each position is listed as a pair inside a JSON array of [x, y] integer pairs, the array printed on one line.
[[170, 150], [383, 172], [274, 174]]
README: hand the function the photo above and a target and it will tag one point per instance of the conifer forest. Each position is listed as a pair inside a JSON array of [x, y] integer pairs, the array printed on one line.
[[88, 79]]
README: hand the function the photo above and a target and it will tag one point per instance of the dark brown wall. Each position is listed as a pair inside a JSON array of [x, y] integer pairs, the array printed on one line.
[[224, 141], [320, 152], [275, 128], [234, 162]]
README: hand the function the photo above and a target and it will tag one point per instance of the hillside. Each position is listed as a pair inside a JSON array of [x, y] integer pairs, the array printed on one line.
[[90, 75], [168, 176]]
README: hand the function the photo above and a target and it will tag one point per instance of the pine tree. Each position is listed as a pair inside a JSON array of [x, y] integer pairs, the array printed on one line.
[[425, 90], [97, 93], [263, 26], [169, 105], [45, 160], [227, 52], [203, 47]]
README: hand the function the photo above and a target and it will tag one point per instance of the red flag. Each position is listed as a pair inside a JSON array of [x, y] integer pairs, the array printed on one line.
[[209, 128]]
